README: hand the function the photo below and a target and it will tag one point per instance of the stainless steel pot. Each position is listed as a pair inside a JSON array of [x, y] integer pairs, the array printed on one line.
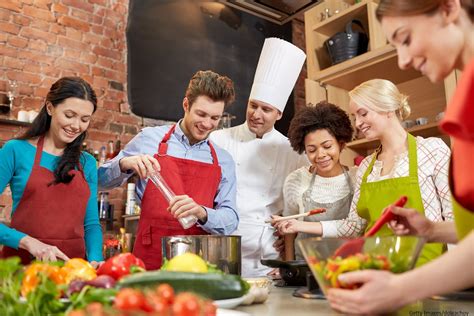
[[223, 251]]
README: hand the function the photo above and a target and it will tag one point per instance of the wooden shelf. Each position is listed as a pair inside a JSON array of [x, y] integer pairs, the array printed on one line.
[[337, 22], [381, 63], [362, 145], [133, 217], [8, 121]]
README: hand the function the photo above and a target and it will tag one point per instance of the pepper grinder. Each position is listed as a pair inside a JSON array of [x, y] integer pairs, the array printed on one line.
[[160, 183]]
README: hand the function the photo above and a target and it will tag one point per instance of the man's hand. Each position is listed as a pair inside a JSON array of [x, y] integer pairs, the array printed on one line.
[[42, 251], [143, 165], [183, 206]]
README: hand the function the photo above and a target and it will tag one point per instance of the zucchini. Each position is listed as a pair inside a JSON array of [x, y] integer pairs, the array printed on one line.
[[211, 285]]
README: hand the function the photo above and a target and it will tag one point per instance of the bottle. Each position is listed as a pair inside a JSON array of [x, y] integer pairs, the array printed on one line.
[[103, 204], [96, 155], [117, 147], [160, 183], [131, 201], [110, 149], [102, 156], [123, 241]]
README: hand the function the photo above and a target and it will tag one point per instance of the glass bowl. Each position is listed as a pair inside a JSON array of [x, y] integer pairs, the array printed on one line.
[[393, 253]]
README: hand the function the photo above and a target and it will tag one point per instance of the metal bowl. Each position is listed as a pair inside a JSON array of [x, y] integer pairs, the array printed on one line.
[[223, 251]]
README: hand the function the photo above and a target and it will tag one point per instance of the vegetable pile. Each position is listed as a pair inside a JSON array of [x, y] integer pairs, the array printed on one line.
[[75, 288], [330, 269]]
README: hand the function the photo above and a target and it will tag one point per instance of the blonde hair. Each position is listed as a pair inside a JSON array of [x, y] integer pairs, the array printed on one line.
[[382, 96]]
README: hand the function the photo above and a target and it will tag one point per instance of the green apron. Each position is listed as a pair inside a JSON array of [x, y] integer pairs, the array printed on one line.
[[463, 218], [376, 196]]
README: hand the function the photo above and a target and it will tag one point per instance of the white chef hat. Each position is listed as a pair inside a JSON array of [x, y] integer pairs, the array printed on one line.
[[277, 70]]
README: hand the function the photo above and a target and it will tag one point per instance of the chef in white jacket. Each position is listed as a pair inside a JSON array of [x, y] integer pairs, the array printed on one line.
[[263, 156]]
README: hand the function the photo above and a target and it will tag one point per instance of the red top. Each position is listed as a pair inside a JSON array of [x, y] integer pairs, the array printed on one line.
[[459, 124]]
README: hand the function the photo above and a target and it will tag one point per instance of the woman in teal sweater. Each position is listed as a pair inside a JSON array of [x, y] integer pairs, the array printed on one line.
[[53, 183]]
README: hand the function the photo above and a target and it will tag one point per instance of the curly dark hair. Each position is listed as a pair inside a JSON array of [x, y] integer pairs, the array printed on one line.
[[323, 115]]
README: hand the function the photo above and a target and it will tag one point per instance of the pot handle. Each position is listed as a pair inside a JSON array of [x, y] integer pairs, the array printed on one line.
[[179, 240]]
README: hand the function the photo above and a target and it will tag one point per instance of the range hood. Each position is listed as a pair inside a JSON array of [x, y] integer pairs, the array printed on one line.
[[277, 11]]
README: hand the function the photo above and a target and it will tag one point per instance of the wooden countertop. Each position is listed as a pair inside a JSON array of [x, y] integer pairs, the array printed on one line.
[[281, 302]]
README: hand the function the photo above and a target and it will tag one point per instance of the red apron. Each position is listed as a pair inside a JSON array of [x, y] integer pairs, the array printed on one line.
[[53, 214], [198, 180]]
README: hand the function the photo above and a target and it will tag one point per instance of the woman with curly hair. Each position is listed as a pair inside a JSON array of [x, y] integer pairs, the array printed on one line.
[[321, 132]]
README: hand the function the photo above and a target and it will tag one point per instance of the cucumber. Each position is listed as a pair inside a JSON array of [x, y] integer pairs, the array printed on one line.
[[211, 285]]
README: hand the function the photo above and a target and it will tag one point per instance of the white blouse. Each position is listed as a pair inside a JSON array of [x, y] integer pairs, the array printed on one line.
[[325, 190], [433, 164]]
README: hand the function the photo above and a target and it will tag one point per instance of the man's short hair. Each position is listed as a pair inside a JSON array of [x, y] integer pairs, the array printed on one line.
[[211, 85]]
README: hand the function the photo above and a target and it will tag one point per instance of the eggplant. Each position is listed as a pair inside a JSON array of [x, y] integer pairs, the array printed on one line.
[[76, 286], [102, 281]]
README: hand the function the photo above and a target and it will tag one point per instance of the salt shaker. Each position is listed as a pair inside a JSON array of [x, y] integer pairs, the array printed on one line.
[[160, 183]]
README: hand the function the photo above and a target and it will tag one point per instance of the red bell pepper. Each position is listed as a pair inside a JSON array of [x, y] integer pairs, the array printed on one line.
[[120, 265]]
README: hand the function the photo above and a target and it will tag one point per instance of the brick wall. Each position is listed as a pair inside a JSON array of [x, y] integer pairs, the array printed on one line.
[[43, 40]]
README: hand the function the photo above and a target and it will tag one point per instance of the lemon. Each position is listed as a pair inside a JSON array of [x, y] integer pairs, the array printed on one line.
[[187, 262]]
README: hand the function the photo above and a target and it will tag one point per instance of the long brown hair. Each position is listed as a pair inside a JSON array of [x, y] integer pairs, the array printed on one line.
[[411, 7], [64, 88]]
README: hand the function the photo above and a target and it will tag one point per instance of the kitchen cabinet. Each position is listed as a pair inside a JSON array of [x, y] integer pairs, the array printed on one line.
[[332, 82]]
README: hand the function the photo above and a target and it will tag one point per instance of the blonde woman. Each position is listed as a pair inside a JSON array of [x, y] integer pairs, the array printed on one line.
[[402, 165]]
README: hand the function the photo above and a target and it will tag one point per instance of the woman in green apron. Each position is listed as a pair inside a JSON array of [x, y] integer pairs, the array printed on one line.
[[321, 132], [403, 165], [406, 23]]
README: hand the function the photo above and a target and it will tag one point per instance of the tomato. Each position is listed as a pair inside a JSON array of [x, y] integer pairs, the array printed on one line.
[[158, 304], [210, 309], [166, 292], [130, 299], [186, 304]]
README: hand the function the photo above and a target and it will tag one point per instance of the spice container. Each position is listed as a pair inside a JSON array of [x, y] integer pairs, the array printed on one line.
[[160, 183]]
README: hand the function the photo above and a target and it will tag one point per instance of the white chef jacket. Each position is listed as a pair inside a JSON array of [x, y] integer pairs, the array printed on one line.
[[262, 166]]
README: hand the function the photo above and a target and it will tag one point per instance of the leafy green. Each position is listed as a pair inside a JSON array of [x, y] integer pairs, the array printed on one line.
[[44, 299], [11, 275], [90, 294]]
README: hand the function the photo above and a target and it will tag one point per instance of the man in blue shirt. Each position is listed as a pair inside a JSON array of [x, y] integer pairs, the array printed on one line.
[[201, 174]]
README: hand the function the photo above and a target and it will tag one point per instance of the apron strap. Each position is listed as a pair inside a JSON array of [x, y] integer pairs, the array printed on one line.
[[39, 150], [348, 179], [412, 156], [371, 165], [215, 162], [412, 159], [163, 146]]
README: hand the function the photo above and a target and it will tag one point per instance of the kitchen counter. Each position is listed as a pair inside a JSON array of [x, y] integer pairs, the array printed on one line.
[[281, 302]]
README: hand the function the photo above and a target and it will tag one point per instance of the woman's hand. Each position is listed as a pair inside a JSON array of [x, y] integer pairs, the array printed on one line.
[[410, 222], [143, 165], [184, 206], [42, 251], [290, 226], [96, 264], [379, 293]]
